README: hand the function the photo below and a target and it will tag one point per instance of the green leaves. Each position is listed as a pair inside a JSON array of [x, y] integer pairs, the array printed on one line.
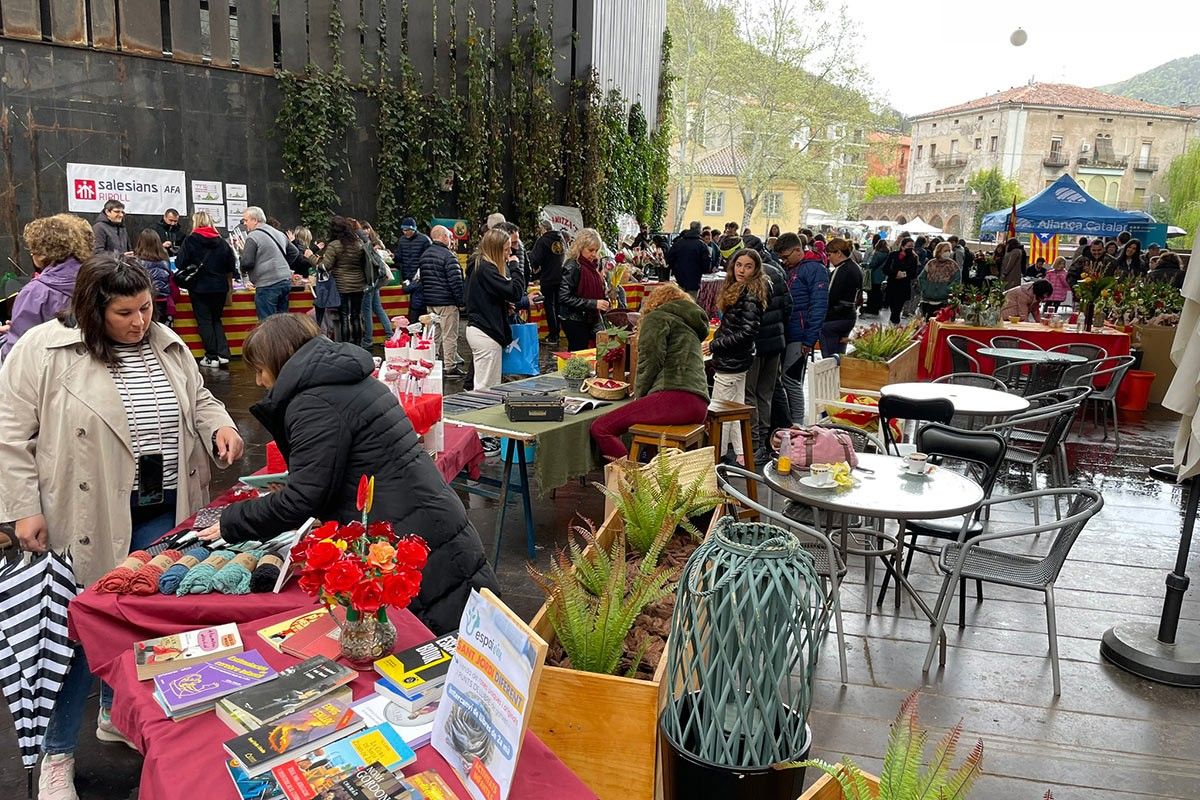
[[653, 503], [995, 192], [881, 343]]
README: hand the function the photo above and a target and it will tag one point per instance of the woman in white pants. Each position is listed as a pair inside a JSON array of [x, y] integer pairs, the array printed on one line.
[[491, 288], [741, 304]]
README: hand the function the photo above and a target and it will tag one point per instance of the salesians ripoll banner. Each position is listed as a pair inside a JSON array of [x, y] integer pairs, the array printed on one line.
[[143, 191]]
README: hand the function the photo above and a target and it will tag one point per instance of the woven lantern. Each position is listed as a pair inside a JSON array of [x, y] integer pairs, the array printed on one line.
[[745, 637]]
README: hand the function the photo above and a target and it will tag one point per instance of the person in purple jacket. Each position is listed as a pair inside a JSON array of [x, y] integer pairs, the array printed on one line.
[[57, 245]]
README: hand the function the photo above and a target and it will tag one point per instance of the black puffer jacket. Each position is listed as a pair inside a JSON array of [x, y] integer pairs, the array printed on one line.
[[547, 258], [772, 332], [733, 344], [441, 276], [334, 423]]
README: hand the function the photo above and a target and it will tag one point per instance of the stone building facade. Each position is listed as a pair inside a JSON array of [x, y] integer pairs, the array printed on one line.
[[1117, 148], [953, 211]]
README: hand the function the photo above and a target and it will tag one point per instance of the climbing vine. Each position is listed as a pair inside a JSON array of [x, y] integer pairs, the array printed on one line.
[[658, 164], [480, 169], [536, 132]]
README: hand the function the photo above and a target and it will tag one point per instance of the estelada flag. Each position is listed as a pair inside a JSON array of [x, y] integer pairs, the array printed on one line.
[[1012, 220], [1044, 246]]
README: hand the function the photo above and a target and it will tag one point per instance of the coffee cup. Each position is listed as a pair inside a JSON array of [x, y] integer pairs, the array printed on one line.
[[1014, 319], [917, 463], [820, 474]]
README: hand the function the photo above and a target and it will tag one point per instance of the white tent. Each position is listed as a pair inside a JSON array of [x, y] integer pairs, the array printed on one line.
[[916, 225]]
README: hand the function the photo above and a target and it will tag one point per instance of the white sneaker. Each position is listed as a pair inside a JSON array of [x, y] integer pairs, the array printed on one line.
[[57, 778], [222, 360], [211, 363], [107, 732]]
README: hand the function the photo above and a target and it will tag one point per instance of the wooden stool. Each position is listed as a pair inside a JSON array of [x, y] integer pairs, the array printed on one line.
[[683, 437], [726, 411]]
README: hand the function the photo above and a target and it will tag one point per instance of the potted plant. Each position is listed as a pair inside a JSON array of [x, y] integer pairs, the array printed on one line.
[[576, 371], [580, 714], [882, 355]]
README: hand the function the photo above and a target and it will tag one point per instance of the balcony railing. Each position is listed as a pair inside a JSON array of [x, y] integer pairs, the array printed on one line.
[[1146, 164], [1092, 159], [1056, 159], [949, 161]]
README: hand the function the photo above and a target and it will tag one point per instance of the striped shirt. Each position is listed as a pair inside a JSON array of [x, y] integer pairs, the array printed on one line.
[[151, 407]]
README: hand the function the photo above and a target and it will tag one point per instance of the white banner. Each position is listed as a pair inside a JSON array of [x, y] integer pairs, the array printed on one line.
[[143, 191], [567, 219]]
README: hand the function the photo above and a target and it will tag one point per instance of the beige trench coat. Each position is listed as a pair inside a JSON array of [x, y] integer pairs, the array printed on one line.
[[65, 447]]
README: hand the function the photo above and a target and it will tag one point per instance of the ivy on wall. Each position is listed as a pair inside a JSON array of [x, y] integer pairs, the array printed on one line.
[[534, 123]]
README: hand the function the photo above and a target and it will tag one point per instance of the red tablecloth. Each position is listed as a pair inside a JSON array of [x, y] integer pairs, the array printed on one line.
[[935, 354], [463, 450], [182, 756]]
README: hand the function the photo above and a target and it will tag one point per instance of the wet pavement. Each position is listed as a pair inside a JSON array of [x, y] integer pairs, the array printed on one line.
[[1108, 736]]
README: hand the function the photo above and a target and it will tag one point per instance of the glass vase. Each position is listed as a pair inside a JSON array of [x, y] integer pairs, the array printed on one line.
[[366, 638]]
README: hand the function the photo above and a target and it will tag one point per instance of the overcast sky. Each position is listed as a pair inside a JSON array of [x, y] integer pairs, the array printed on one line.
[[929, 54]]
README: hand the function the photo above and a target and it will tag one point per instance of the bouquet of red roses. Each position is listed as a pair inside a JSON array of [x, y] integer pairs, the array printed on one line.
[[364, 566]]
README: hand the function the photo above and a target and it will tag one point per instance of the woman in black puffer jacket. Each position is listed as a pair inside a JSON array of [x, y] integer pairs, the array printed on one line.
[[741, 303], [334, 423], [768, 354]]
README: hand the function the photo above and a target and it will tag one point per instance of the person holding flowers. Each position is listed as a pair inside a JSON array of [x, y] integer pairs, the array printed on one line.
[[334, 423]]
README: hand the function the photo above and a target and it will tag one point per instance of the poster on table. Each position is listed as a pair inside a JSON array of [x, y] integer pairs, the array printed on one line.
[[567, 219], [480, 723], [217, 212], [207, 192], [461, 231], [236, 191], [143, 191]]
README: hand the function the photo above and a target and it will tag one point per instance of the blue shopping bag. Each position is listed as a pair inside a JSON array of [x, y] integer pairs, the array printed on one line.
[[521, 355]]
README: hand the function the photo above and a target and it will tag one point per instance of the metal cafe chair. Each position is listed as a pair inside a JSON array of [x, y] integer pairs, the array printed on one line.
[[960, 353], [978, 379], [1015, 342], [1103, 400], [826, 559], [1031, 377], [1089, 351], [978, 559], [891, 407]]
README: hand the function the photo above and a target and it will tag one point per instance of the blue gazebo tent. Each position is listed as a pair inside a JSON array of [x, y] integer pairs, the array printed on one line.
[[1064, 207]]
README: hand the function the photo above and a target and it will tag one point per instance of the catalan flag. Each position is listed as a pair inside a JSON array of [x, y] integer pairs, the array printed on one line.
[[1012, 221], [1044, 246]]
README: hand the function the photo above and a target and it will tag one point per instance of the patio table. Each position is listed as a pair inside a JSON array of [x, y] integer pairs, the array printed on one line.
[[935, 355], [1006, 354], [976, 401]]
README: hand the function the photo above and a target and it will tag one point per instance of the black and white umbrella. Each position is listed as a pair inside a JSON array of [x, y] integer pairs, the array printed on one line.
[[35, 652]]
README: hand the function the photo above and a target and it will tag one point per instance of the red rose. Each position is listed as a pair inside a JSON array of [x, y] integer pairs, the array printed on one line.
[[400, 588], [322, 554], [300, 549], [367, 597], [326, 531], [342, 576], [412, 551], [350, 531], [382, 530], [311, 581]]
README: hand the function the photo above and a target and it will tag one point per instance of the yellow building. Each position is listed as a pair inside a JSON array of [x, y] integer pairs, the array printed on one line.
[[716, 199]]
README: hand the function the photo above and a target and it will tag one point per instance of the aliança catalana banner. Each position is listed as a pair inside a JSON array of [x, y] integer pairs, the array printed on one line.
[[143, 191]]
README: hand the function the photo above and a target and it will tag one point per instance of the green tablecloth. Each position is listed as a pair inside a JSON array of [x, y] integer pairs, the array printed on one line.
[[565, 449]]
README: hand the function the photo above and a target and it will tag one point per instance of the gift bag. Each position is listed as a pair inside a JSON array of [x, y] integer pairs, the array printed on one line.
[[521, 355]]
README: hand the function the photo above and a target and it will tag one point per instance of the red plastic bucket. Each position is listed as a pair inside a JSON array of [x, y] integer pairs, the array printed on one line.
[[1134, 394]]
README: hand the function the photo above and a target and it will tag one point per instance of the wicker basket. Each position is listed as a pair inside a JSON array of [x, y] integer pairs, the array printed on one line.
[[606, 394]]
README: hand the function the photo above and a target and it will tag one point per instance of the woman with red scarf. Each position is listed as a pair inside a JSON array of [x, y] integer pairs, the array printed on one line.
[[581, 297]]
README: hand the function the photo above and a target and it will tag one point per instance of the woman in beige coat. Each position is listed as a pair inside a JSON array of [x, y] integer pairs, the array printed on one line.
[[106, 434]]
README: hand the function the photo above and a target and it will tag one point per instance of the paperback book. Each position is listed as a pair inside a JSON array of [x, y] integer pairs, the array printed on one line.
[[321, 638], [415, 727], [197, 688], [410, 701], [166, 653], [295, 688], [316, 772], [372, 782], [419, 668], [432, 785], [278, 634], [284, 739]]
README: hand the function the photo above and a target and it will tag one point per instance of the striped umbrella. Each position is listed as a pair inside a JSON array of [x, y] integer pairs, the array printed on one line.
[[35, 652]]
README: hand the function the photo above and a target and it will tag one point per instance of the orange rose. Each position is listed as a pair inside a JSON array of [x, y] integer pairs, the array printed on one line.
[[382, 556]]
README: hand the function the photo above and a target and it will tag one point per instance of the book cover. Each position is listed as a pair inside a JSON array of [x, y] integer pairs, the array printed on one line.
[[415, 727], [205, 682], [156, 656], [432, 785], [409, 701], [372, 782], [275, 635], [240, 726], [262, 787], [264, 747], [315, 772], [296, 687], [422, 666], [321, 638]]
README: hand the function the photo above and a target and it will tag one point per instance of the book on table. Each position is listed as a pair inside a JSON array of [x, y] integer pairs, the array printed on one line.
[[278, 634], [177, 650], [408, 701], [315, 772], [296, 687], [372, 782], [432, 785], [418, 669], [577, 405], [196, 688], [288, 737], [321, 638]]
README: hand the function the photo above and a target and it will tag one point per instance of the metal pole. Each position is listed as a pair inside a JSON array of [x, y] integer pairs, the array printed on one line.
[[1177, 581]]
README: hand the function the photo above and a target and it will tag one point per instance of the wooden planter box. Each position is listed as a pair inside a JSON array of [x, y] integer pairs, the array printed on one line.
[[827, 788], [1155, 343], [873, 375], [603, 727]]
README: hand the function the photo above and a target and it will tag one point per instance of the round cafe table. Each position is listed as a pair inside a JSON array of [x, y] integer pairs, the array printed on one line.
[[975, 401], [884, 490], [1021, 354]]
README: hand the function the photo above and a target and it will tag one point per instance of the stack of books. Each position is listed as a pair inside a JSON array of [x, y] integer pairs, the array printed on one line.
[[414, 678], [195, 689]]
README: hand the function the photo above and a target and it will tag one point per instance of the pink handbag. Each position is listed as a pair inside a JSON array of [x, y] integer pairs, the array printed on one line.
[[817, 445]]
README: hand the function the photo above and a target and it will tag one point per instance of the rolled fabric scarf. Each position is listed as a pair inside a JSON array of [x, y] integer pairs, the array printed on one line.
[[171, 578], [116, 581], [234, 577], [200, 577], [266, 574], [145, 580]]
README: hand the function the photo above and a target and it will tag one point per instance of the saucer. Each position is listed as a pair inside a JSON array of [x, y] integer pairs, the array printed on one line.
[[810, 481], [904, 473]]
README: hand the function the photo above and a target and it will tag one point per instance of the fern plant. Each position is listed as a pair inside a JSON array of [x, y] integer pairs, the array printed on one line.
[[653, 504], [906, 775], [594, 603]]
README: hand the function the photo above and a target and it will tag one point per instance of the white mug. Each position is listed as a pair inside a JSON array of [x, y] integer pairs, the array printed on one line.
[[820, 474], [917, 463]]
